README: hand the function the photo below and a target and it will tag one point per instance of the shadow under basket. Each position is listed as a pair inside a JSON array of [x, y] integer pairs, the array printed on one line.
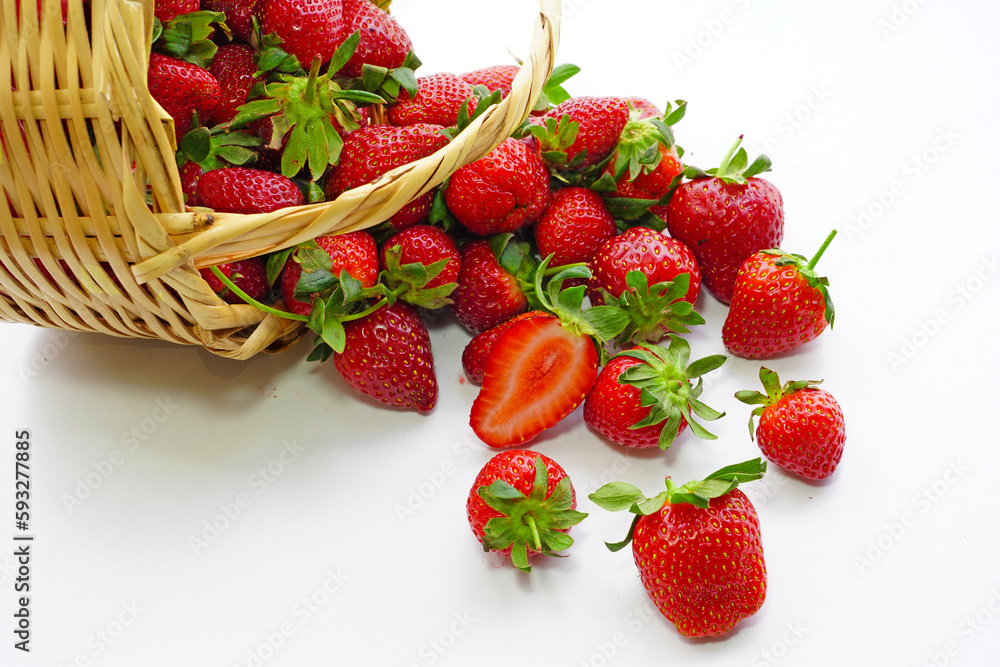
[[94, 233]]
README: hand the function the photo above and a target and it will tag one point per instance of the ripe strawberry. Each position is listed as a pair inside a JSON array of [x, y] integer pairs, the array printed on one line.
[[168, 9], [541, 369], [384, 42], [245, 190], [478, 349], [522, 504], [646, 396], [387, 356], [496, 77], [644, 107], [182, 89], [698, 548], [645, 161], [373, 151], [438, 100], [234, 68], [658, 256], [250, 275], [574, 225], [581, 131], [239, 15], [724, 216], [354, 252], [487, 294], [501, 192], [779, 303], [653, 277], [191, 173], [801, 428], [421, 265], [308, 29]]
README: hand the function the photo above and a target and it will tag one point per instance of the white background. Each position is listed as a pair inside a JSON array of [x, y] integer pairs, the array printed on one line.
[[354, 549]]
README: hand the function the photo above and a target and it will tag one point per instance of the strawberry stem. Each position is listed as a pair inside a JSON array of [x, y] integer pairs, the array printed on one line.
[[536, 540], [812, 263], [310, 93], [252, 301]]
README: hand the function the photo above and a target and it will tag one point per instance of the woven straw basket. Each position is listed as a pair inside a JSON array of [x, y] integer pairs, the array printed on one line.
[[96, 147]]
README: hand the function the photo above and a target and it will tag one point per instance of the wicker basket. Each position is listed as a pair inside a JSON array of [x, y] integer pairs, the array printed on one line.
[[82, 249]]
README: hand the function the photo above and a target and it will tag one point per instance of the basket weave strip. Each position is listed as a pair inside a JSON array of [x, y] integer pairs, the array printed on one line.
[[95, 235]]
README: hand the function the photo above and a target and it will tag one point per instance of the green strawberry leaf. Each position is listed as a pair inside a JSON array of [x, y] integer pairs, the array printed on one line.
[[616, 496]]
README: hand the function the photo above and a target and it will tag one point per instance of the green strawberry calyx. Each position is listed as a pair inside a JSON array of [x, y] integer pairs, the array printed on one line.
[[735, 167], [638, 148], [409, 281], [217, 147], [774, 391], [807, 269], [653, 309], [534, 521], [189, 36], [618, 496], [665, 379], [309, 110], [388, 83]]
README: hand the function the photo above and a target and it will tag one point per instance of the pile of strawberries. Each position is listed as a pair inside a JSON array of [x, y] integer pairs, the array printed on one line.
[[574, 254]]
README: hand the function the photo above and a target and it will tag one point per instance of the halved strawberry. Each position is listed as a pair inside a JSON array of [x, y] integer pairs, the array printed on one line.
[[478, 349], [542, 368]]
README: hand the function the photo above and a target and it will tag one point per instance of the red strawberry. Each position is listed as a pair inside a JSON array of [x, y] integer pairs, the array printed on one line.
[[233, 67], [541, 369], [724, 216], [354, 252], [591, 128], [574, 226], [646, 396], [245, 190], [308, 29], [182, 88], [487, 294], [384, 43], [478, 349], [421, 265], [387, 356], [537, 373], [250, 275], [658, 256], [779, 303], [438, 100], [501, 192], [697, 547], [168, 9], [653, 277], [644, 107], [645, 160], [522, 504], [239, 15], [497, 77], [372, 151], [191, 173], [801, 428]]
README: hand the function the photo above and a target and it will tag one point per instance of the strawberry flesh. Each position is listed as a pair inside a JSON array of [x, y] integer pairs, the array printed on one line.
[[536, 375]]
